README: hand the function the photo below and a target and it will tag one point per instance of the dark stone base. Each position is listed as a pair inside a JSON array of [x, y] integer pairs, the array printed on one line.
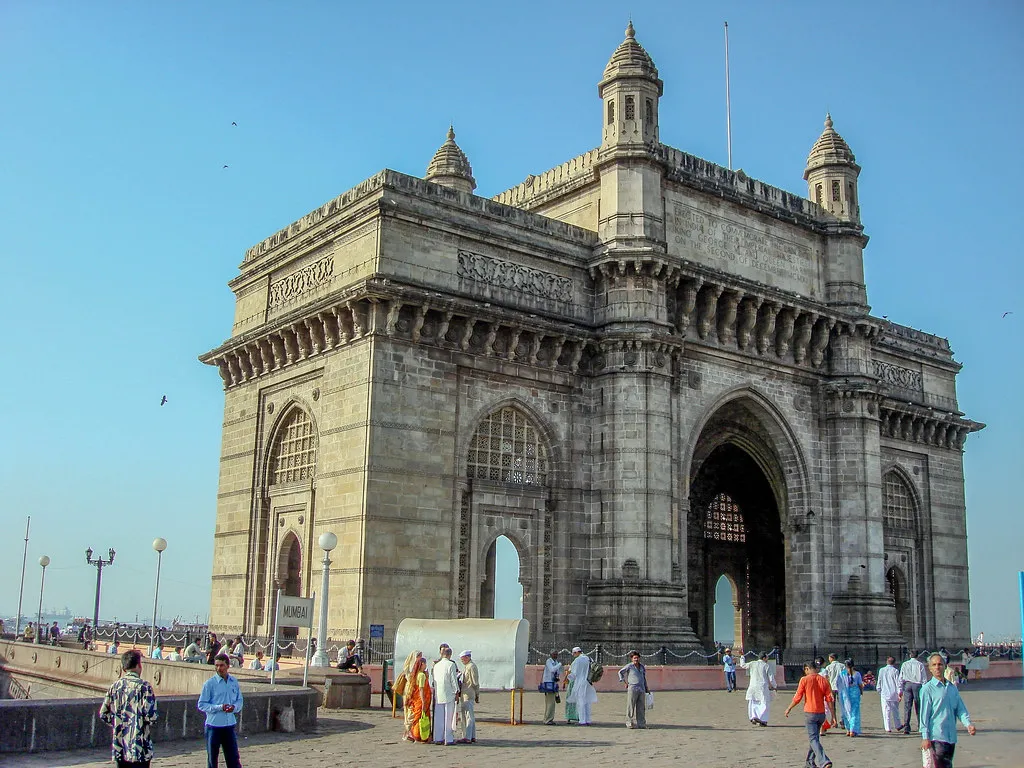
[[863, 626], [644, 613]]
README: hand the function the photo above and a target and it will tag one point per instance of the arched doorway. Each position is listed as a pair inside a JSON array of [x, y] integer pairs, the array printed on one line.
[[501, 592], [728, 618], [290, 576], [897, 583], [735, 529]]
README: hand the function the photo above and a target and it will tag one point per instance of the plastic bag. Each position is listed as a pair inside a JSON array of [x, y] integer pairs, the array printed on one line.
[[650, 700], [927, 758], [425, 728]]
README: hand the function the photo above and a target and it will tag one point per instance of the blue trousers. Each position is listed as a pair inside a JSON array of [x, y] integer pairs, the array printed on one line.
[[816, 753], [218, 738], [730, 681], [911, 703]]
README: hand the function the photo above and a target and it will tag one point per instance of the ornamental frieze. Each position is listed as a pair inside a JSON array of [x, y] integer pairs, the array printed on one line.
[[512, 276], [297, 283], [897, 376]]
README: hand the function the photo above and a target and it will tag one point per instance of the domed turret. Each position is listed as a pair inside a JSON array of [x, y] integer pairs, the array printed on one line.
[[630, 90], [450, 167], [831, 175]]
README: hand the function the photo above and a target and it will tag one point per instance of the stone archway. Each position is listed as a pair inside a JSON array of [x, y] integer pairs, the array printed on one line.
[[492, 577], [289, 575], [896, 582], [739, 505]]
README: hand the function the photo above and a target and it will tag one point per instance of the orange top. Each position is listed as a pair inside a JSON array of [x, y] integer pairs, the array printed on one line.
[[817, 691]]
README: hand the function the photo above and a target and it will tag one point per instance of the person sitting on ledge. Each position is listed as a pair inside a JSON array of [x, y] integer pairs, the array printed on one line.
[[348, 658]]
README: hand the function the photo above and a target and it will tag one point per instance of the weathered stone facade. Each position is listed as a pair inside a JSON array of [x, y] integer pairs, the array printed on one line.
[[645, 370]]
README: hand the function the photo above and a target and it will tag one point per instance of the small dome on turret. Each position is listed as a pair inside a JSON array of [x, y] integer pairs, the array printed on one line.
[[450, 167], [830, 149], [630, 59]]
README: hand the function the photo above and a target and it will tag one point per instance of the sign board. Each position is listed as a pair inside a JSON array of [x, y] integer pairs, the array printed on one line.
[[376, 631], [294, 611]]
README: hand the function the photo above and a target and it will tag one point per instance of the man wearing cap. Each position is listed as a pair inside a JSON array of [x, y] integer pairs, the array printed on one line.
[[470, 695], [729, 665], [583, 694]]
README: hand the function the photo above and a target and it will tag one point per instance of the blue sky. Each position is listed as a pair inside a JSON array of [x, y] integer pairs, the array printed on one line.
[[122, 228]]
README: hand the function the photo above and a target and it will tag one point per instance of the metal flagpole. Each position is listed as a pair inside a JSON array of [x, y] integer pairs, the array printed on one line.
[[728, 99], [309, 641], [1020, 577], [273, 645], [21, 591]]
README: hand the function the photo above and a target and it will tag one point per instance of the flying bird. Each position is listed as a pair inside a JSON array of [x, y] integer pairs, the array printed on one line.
[[1007, 313], [234, 123], [163, 399], [225, 166]]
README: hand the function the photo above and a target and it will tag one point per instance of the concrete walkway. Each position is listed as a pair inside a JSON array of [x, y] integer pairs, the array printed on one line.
[[692, 729]]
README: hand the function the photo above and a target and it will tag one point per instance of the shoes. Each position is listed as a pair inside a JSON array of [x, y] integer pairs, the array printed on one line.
[[629, 725], [472, 741]]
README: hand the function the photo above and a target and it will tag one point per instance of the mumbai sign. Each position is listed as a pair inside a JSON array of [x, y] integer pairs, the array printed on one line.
[[294, 611]]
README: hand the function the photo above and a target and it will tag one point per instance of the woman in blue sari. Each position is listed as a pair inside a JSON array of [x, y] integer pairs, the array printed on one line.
[[850, 685]]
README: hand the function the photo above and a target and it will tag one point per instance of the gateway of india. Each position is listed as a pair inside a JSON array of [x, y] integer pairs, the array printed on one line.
[[645, 370]]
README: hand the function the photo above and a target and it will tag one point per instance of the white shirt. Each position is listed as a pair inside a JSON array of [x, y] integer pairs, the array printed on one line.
[[889, 682], [582, 690], [832, 672], [446, 681], [552, 670], [255, 664], [174, 656], [913, 671]]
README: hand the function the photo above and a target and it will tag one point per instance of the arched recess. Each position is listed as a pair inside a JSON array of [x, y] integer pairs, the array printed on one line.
[[289, 573], [491, 578], [732, 608], [745, 452], [286, 474], [510, 469], [904, 555]]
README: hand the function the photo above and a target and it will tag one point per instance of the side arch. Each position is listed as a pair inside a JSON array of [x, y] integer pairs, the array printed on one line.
[[552, 439]]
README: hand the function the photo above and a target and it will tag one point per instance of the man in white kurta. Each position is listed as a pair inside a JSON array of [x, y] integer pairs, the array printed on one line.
[[890, 684], [446, 689], [583, 694], [759, 689]]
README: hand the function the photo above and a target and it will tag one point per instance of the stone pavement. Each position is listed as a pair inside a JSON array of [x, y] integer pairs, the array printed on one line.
[[696, 729]]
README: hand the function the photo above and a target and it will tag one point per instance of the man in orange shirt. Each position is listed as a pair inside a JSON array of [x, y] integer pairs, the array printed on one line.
[[815, 691]]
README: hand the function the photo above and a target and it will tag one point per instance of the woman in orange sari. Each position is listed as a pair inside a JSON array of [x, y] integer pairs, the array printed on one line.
[[417, 700]]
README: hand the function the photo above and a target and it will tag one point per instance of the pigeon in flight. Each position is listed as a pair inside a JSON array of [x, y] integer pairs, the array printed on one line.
[[163, 400], [1007, 313], [234, 123], [225, 166]]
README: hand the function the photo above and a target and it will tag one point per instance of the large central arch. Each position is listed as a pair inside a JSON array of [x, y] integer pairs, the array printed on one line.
[[746, 479]]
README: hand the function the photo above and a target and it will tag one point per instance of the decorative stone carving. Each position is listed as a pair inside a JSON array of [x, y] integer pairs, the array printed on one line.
[[897, 376], [511, 276], [299, 282]]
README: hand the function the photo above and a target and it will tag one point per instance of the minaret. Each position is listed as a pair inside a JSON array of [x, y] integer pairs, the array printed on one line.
[[632, 211], [831, 175], [450, 166]]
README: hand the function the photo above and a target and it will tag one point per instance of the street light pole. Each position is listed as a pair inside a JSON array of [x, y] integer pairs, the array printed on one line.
[[99, 562], [328, 541], [159, 545], [43, 561], [21, 591]]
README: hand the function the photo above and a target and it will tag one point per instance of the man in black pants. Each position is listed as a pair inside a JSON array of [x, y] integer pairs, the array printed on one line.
[[913, 675]]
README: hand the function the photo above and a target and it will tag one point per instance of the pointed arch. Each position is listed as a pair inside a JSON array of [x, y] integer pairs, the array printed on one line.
[[901, 503], [289, 564], [292, 453]]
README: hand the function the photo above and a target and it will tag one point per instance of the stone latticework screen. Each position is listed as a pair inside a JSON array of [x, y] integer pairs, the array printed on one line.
[[897, 504], [724, 521], [294, 455], [508, 449]]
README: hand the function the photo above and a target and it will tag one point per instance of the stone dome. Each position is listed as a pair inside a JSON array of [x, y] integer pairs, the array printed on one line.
[[630, 59], [450, 166], [830, 149]]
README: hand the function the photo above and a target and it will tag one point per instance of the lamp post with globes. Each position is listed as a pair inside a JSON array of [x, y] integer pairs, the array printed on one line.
[[43, 561], [328, 541], [159, 544], [99, 562]]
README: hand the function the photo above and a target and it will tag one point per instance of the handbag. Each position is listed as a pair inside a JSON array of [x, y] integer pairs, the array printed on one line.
[[649, 700], [425, 728], [549, 686]]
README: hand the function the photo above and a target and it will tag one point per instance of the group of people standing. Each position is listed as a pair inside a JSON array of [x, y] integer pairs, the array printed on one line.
[[439, 699], [832, 698], [577, 680]]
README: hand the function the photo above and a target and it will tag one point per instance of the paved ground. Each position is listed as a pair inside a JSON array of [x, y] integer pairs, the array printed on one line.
[[692, 729]]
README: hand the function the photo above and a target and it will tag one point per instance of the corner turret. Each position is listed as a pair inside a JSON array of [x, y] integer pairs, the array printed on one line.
[[630, 90], [831, 175], [450, 167]]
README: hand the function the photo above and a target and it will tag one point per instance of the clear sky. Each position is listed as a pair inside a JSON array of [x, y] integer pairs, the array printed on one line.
[[121, 228]]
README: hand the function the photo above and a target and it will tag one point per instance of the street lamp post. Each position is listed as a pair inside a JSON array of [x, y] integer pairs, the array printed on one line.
[[43, 561], [159, 544], [328, 541], [21, 591], [99, 562]]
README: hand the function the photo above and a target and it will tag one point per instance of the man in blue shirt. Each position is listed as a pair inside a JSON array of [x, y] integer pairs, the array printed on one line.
[[221, 700], [941, 706], [729, 664]]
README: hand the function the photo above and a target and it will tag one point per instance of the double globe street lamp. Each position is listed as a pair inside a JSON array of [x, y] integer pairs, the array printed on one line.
[[43, 561], [328, 541]]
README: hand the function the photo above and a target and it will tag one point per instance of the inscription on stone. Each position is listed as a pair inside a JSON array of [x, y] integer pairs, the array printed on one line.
[[740, 249], [506, 274], [297, 283]]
